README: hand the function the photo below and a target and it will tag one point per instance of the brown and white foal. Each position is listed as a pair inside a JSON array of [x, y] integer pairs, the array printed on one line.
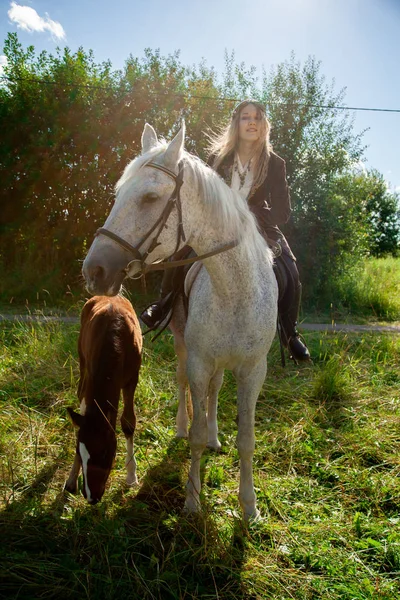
[[110, 346]]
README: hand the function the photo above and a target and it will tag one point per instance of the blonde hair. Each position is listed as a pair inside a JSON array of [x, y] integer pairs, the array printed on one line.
[[226, 142]]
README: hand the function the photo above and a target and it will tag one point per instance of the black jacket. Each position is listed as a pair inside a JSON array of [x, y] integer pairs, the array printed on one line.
[[270, 203]]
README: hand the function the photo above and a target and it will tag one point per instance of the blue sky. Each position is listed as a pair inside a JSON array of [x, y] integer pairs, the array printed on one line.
[[358, 42]]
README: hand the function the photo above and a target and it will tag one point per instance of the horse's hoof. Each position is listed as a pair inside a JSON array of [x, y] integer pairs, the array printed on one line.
[[214, 445], [182, 435], [191, 507], [71, 488], [253, 517], [132, 481]]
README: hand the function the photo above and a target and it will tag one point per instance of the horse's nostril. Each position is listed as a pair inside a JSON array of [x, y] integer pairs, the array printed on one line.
[[94, 501], [98, 273]]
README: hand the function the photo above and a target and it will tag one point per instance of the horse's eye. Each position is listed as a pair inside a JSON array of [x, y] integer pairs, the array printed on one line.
[[150, 197]]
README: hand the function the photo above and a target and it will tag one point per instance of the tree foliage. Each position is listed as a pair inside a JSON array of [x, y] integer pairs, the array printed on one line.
[[70, 125], [69, 128]]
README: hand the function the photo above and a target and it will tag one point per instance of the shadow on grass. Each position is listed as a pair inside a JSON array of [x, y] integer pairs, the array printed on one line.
[[138, 544]]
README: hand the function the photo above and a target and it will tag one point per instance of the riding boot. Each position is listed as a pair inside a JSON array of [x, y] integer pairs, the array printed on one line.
[[155, 314], [288, 322], [159, 311], [171, 286]]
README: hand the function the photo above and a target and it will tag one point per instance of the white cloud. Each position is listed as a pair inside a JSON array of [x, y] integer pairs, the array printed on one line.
[[3, 63], [26, 18]]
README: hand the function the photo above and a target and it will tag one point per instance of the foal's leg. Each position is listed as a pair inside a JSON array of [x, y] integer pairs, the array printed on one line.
[[212, 424], [82, 373], [250, 382], [199, 377], [71, 485], [128, 424]]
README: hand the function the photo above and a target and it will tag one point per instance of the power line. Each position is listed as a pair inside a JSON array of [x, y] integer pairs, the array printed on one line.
[[197, 97]]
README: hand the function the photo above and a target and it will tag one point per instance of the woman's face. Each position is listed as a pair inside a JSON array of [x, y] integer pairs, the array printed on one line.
[[249, 124]]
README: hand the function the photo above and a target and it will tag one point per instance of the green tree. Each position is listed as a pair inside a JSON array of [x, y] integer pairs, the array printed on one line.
[[379, 209], [53, 110], [69, 127], [318, 142], [383, 216]]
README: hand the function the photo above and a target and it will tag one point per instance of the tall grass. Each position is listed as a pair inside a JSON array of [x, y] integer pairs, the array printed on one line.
[[374, 293], [326, 473]]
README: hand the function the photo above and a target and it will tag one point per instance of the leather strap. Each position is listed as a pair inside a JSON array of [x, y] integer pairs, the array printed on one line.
[[161, 266], [123, 243], [174, 200]]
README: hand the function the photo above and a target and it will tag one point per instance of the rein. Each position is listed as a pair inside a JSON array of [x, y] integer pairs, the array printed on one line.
[[174, 200], [163, 266]]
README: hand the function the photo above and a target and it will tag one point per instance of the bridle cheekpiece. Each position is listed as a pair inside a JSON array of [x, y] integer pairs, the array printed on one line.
[[174, 200]]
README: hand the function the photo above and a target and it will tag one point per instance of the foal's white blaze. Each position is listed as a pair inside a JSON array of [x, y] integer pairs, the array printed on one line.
[[85, 458]]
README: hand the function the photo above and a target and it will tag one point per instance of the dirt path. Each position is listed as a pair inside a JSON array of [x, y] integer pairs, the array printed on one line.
[[335, 327], [349, 327]]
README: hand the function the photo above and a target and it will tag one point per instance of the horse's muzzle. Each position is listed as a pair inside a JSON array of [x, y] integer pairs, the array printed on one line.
[[104, 272]]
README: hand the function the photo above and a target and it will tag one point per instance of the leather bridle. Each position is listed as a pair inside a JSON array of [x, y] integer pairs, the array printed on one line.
[[174, 200]]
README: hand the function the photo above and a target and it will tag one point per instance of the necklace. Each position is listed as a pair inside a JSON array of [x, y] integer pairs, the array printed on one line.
[[242, 174]]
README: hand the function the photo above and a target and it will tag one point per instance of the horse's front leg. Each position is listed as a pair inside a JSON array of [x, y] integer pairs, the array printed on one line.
[[185, 411], [212, 423], [185, 401], [250, 382], [199, 378], [128, 425]]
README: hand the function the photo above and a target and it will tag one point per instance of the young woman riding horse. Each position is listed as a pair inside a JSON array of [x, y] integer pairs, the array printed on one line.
[[242, 155]]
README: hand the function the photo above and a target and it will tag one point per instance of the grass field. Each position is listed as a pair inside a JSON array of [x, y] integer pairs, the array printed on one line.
[[374, 294], [326, 466]]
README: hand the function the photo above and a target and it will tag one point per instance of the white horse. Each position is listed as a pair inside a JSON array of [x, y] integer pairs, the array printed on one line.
[[233, 300]]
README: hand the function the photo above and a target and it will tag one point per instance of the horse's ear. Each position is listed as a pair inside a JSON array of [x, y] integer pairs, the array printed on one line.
[[149, 138], [173, 152], [75, 417]]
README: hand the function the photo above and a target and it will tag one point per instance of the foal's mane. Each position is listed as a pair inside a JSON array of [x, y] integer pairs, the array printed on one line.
[[227, 209]]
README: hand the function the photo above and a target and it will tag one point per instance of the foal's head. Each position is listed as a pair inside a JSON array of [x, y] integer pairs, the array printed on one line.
[[96, 447]]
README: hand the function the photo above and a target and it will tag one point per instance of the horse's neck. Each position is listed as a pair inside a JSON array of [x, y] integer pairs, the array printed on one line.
[[102, 403], [228, 269]]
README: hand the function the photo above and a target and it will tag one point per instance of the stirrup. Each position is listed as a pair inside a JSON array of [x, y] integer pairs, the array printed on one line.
[[299, 353], [155, 314]]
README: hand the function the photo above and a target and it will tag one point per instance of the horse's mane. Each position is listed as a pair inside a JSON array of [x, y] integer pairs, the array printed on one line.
[[226, 207], [228, 210]]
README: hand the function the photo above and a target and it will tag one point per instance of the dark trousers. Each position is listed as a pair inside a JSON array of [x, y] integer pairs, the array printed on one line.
[[289, 285]]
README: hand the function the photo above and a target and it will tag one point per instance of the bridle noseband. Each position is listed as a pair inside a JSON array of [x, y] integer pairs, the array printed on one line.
[[174, 200]]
